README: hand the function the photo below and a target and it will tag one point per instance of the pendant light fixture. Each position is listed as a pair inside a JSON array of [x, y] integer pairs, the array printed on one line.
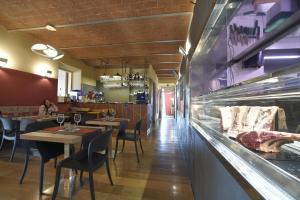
[[48, 51]]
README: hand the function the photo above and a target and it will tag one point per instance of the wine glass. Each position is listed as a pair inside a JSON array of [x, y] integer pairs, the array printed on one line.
[[60, 119], [77, 118], [113, 114]]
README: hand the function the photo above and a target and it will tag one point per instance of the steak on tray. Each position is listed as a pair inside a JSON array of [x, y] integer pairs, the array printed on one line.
[[266, 141]]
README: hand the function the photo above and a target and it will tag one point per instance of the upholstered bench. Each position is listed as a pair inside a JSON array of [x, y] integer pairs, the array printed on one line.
[[15, 111]]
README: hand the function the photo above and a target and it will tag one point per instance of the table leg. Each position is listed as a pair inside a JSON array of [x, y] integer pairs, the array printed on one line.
[[67, 155], [67, 183], [110, 151], [69, 179]]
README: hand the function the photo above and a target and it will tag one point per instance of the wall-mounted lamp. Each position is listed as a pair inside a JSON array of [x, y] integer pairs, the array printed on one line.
[[182, 51], [3, 62], [48, 74]]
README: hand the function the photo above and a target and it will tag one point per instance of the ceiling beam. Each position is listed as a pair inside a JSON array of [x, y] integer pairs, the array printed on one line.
[[106, 21], [166, 69], [165, 75], [122, 56], [166, 78], [134, 56], [118, 66], [168, 62], [123, 44]]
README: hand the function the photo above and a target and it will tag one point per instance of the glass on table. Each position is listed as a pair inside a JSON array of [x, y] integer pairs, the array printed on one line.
[[60, 119], [113, 114], [77, 118]]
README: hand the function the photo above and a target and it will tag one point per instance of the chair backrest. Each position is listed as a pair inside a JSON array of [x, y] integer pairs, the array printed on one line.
[[87, 138], [40, 125], [123, 126], [137, 127], [99, 143], [86, 117], [24, 123], [7, 123], [47, 150]]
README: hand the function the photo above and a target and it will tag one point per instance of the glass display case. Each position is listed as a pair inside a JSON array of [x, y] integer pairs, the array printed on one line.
[[245, 92]]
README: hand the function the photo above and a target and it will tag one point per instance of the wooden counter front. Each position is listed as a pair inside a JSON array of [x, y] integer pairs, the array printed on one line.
[[134, 112]]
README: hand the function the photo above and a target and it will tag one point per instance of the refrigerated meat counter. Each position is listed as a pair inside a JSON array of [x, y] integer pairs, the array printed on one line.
[[273, 175]]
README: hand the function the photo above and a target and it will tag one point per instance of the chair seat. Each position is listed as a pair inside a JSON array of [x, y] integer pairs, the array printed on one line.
[[10, 135], [80, 161], [130, 137]]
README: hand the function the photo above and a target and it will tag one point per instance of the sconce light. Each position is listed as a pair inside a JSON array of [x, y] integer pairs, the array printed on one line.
[[48, 74], [3, 62]]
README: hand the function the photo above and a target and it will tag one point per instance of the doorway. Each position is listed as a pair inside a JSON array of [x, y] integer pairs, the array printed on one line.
[[167, 102]]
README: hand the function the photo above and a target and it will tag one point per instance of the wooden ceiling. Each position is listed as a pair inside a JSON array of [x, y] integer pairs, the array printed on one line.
[[107, 32]]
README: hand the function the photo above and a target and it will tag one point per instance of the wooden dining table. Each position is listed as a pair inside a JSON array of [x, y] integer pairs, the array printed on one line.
[[112, 122], [67, 137]]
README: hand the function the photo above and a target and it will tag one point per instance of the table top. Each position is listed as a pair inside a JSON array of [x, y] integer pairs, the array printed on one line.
[[104, 122], [115, 119], [51, 137], [93, 127], [59, 135]]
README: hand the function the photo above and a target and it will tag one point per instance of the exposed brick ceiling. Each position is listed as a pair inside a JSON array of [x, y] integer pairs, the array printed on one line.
[[138, 32]]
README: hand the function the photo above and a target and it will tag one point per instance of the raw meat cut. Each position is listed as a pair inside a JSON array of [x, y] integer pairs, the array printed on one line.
[[240, 116], [266, 118], [227, 117], [252, 117], [266, 141]]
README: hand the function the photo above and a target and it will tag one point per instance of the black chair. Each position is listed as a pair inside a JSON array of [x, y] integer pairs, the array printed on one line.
[[135, 137], [86, 117], [45, 150], [10, 133], [24, 123], [88, 159]]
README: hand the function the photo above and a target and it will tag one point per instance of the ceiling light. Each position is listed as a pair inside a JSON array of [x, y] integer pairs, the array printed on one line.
[[50, 51], [282, 57], [182, 51], [50, 27], [47, 51], [58, 57], [3, 62], [39, 47], [269, 80]]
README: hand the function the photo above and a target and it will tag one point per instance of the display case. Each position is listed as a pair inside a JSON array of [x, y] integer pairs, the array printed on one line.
[[245, 93]]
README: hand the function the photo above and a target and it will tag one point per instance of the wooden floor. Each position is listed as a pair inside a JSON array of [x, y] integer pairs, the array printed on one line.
[[160, 175]]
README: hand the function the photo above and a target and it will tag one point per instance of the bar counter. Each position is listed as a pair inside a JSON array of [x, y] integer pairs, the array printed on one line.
[[132, 111]]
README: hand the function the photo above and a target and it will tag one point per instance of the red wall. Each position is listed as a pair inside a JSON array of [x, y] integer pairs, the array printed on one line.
[[24, 89]]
